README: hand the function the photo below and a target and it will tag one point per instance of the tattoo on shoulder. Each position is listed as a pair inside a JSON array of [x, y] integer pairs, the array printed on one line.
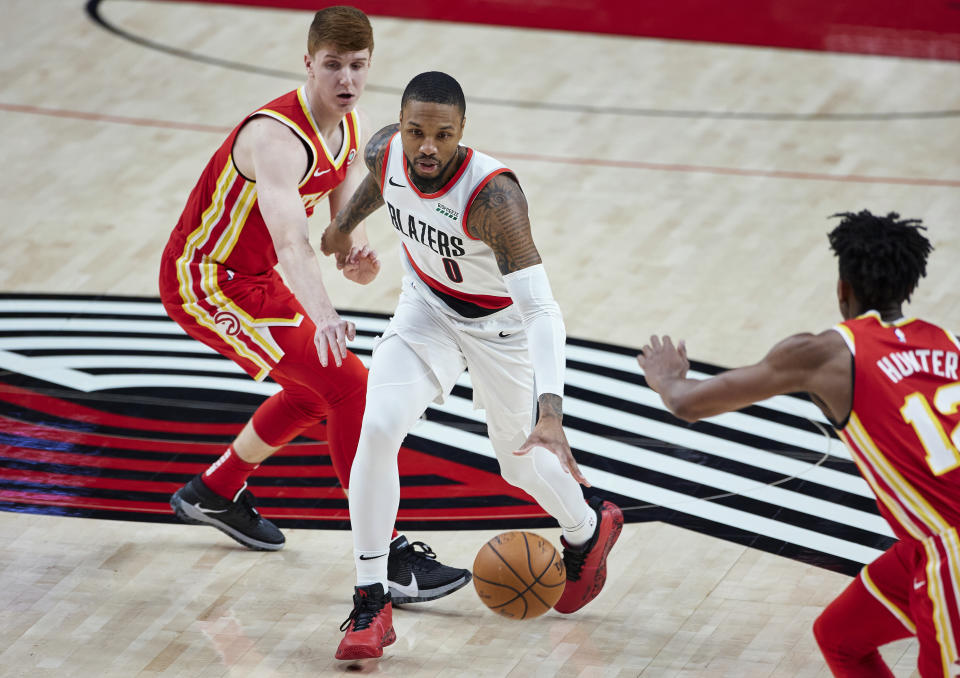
[[377, 147], [498, 217]]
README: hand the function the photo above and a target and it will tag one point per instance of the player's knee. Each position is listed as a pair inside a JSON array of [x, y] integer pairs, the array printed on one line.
[[518, 471]]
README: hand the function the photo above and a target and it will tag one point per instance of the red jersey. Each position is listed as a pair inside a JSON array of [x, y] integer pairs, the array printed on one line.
[[904, 428], [221, 223]]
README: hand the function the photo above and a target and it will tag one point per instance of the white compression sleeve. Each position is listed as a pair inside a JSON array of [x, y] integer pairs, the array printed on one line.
[[543, 322]]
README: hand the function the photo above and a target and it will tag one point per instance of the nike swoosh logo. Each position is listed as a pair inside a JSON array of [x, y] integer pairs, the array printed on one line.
[[918, 584], [206, 510], [318, 173], [363, 557], [505, 335], [411, 590], [394, 183]]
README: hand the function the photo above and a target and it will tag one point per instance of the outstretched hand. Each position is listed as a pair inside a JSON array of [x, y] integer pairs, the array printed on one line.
[[662, 362], [361, 266]]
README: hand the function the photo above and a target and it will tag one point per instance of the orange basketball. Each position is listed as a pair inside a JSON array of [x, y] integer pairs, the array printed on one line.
[[519, 575]]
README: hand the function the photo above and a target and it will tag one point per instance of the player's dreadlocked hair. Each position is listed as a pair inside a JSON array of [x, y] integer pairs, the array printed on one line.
[[882, 258], [436, 88]]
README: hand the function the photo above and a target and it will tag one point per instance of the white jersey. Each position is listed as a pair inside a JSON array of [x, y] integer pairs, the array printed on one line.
[[458, 268]]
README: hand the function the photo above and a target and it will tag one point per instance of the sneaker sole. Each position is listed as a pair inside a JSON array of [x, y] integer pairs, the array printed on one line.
[[430, 594], [189, 514], [612, 538]]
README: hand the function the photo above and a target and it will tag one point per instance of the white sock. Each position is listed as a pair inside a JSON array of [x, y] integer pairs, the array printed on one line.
[[580, 535], [372, 568]]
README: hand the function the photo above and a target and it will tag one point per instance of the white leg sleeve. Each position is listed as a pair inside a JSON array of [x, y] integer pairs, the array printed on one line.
[[399, 388], [541, 475]]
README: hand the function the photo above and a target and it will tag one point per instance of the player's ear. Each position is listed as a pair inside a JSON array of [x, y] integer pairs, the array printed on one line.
[[845, 299]]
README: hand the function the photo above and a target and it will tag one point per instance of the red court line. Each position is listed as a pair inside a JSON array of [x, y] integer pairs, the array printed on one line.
[[595, 162], [917, 29]]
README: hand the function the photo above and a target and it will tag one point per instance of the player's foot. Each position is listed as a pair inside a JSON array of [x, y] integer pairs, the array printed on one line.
[[416, 576], [369, 628], [197, 503], [587, 565]]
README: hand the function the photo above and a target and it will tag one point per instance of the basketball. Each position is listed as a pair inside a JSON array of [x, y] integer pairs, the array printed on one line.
[[519, 575]]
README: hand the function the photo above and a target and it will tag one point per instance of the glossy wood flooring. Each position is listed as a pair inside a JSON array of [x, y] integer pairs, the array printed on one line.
[[674, 187]]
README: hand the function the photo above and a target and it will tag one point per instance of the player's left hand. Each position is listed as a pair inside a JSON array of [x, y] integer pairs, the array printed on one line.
[[336, 242], [548, 433], [362, 265], [663, 362]]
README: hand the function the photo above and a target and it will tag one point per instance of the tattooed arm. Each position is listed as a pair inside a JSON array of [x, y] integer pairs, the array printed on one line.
[[498, 217], [364, 201]]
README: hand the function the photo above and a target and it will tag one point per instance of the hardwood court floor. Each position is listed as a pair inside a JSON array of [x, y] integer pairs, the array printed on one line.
[[674, 187]]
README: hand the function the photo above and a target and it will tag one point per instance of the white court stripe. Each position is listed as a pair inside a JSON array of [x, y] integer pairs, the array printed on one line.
[[681, 435], [65, 306], [144, 363], [105, 325], [786, 404], [651, 494], [612, 449], [816, 442], [119, 344]]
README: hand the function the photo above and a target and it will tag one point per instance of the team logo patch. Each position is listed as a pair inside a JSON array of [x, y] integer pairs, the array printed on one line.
[[447, 212], [227, 322], [107, 407]]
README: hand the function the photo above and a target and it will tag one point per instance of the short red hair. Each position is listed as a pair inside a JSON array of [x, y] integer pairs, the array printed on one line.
[[345, 29]]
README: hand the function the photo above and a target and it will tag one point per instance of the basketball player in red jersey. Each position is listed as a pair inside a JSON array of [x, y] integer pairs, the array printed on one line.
[[891, 387], [475, 295], [247, 213]]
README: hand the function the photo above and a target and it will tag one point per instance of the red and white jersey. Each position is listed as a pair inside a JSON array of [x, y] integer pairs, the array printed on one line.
[[221, 225], [904, 428], [458, 268]]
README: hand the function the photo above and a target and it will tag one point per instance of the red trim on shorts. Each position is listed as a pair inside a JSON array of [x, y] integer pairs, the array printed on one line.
[[481, 300], [476, 192], [450, 184]]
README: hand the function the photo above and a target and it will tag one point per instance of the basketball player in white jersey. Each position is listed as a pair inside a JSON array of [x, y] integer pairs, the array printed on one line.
[[475, 295]]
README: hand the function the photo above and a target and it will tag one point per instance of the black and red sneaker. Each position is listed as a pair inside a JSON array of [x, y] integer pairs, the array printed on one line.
[[369, 628], [587, 565]]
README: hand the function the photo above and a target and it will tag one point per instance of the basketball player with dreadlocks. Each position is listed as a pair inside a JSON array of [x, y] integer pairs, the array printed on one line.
[[891, 387], [475, 295]]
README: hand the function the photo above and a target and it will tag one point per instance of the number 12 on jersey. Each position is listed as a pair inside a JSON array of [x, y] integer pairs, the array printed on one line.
[[943, 451]]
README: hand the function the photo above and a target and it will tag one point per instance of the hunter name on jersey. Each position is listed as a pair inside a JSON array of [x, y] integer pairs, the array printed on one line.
[[898, 365], [446, 245]]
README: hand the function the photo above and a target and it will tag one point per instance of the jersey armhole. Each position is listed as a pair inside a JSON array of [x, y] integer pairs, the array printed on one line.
[[386, 159], [476, 192], [952, 337], [266, 113], [848, 339]]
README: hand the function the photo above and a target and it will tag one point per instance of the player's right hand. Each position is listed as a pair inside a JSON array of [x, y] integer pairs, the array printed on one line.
[[333, 332], [336, 242]]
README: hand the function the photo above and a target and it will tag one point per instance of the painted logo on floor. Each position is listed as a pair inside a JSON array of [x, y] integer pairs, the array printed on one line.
[[107, 407]]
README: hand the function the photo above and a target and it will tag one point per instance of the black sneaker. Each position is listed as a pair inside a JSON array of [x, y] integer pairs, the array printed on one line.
[[196, 503], [415, 576]]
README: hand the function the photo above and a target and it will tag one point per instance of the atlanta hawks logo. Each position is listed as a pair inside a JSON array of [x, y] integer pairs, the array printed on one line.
[[228, 323]]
